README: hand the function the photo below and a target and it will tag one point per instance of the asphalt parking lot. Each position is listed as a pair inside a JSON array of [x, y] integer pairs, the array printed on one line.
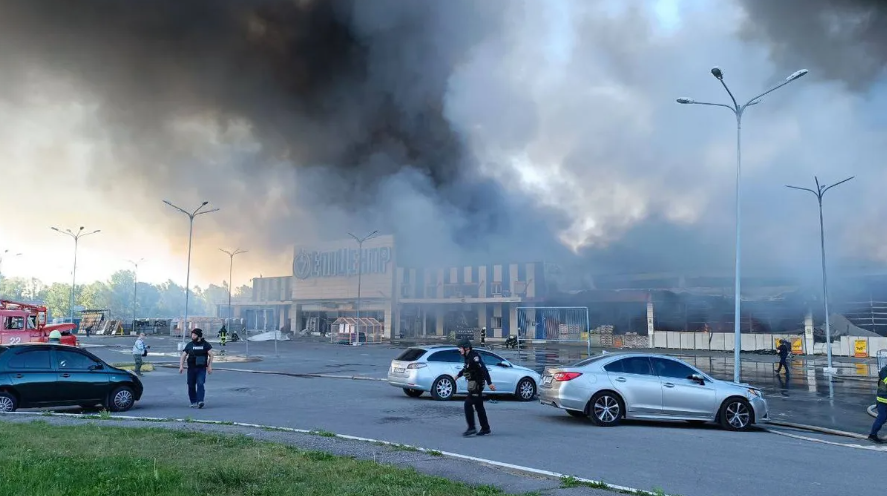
[[678, 458]]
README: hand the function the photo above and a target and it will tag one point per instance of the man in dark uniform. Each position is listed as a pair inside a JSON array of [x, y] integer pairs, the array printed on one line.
[[200, 362], [476, 373], [783, 355], [882, 407]]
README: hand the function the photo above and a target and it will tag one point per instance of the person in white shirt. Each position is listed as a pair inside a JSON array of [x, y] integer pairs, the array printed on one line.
[[139, 351]]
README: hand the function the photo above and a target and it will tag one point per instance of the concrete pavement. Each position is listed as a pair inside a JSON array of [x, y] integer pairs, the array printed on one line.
[[678, 458]]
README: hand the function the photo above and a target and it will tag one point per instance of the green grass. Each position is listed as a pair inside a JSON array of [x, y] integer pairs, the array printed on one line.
[[38, 458], [146, 367]]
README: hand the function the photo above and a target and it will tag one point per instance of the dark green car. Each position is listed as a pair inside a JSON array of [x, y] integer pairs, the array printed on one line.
[[49, 375]]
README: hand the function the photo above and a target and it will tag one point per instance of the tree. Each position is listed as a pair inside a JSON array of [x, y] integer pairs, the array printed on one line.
[[243, 291], [13, 288], [57, 299]]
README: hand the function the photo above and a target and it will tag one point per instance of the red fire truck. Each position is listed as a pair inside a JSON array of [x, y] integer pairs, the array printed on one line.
[[26, 323]]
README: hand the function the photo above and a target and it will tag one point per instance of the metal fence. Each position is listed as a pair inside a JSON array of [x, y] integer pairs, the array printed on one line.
[[553, 325]]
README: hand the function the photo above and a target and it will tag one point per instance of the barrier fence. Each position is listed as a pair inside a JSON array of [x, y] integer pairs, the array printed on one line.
[[553, 324]]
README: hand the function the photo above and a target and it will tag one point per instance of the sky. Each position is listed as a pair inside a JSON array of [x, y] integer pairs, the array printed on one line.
[[564, 112]]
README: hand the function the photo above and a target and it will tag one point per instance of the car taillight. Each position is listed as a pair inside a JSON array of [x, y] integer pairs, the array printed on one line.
[[566, 376], [416, 365]]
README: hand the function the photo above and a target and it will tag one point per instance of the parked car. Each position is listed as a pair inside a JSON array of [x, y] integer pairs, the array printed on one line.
[[433, 369], [50, 375], [611, 387]]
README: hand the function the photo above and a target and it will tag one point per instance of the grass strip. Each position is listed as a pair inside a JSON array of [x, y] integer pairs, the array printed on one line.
[[37, 458]]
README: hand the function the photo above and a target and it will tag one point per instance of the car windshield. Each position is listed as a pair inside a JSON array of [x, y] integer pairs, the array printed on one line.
[[410, 355], [588, 360]]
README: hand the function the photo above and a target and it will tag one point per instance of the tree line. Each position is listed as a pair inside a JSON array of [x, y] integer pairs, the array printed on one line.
[[165, 300]]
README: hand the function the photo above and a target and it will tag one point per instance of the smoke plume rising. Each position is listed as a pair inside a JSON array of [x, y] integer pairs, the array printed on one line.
[[472, 130]]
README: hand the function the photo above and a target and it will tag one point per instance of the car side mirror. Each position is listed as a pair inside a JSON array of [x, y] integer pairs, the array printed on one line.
[[697, 378], [97, 366], [504, 364]]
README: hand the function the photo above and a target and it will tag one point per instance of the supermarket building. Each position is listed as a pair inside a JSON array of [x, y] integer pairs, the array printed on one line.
[[404, 301]]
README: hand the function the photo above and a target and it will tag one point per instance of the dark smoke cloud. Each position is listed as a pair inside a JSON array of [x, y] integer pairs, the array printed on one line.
[[844, 40], [306, 119], [327, 116]]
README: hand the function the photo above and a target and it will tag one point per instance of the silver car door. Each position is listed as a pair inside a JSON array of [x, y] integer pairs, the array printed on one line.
[[681, 396], [501, 372], [633, 379]]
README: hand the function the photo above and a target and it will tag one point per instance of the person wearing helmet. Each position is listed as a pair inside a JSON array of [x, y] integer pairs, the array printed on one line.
[[476, 373], [55, 337]]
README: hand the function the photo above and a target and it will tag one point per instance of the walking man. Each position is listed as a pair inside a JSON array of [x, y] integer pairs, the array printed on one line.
[[882, 407], [783, 355], [139, 351], [200, 362], [476, 373]]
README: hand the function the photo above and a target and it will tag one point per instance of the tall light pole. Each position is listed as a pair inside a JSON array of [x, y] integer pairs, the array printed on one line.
[[76, 237], [135, 290], [819, 193], [360, 242], [231, 255], [738, 110], [191, 216], [5, 254]]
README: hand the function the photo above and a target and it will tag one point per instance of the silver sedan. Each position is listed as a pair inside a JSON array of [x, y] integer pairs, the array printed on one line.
[[433, 369], [611, 387]]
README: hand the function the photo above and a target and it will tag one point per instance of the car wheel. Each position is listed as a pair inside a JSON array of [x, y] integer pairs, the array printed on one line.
[[121, 399], [605, 409], [526, 389], [736, 414], [443, 388], [577, 414], [412, 393], [8, 402]]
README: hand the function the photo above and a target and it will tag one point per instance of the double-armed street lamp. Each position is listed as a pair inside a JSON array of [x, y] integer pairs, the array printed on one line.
[[738, 110], [819, 192], [191, 215], [360, 242], [76, 237]]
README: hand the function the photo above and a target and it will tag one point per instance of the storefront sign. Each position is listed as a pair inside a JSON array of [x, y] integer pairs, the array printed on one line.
[[341, 263]]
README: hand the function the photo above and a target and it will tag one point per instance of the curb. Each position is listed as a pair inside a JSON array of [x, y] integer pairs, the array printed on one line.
[[813, 428], [519, 469]]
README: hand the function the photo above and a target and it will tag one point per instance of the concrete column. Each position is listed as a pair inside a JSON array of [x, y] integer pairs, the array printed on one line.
[[808, 332], [296, 318], [424, 321], [439, 321], [512, 320]]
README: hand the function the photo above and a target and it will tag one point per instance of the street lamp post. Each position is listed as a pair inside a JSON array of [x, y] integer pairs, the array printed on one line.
[[76, 237], [6, 255], [135, 290], [738, 110], [819, 193], [360, 242], [191, 216], [231, 255]]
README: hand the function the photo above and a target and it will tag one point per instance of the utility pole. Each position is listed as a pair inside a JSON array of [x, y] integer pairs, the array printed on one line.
[[191, 216], [76, 237], [135, 290], [360, 242]]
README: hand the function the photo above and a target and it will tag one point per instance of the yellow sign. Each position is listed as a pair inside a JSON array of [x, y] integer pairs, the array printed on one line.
[[862, 369], [861, 348], [797, 345]]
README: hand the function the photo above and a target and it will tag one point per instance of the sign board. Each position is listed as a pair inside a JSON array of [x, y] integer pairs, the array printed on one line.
[[861, 348], [343, 262], [797, 344]]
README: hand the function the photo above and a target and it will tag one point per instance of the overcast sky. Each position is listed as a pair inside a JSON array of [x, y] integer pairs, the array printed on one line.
[[567, 106]]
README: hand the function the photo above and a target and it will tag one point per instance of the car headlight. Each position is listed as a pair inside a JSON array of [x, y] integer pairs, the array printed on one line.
[[755, 392]]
